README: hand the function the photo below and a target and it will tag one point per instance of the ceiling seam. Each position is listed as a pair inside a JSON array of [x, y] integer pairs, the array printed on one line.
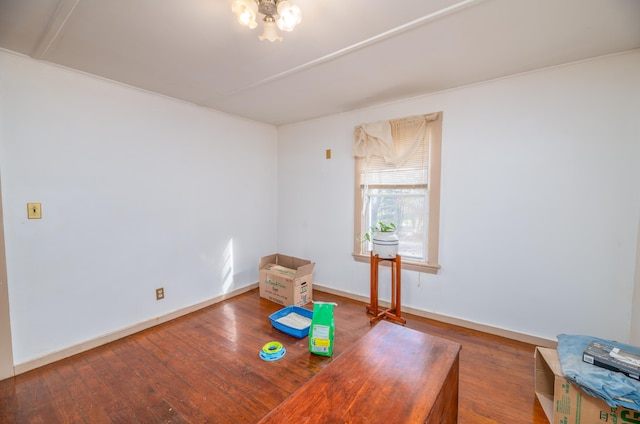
[[60, 17], [359, 45]]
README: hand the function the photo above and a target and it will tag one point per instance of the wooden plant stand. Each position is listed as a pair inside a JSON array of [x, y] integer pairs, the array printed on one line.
[[393, 313]]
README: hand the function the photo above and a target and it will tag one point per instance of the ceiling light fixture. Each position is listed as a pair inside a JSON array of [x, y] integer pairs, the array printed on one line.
[[276, 12]]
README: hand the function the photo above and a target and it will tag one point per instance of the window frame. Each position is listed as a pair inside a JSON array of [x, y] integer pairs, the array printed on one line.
[[432, 265]]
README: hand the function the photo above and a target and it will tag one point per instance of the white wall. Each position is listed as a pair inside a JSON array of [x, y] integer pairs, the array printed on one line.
[[138, 191], [540, 200], [6, 345], [635, 313]]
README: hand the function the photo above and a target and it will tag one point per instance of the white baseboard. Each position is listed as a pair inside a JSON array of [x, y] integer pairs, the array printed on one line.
[[526, 338], [110, 337]]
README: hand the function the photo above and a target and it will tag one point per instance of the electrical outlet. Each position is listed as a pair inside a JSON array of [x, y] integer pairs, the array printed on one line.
[[34, 211], [160, 293]]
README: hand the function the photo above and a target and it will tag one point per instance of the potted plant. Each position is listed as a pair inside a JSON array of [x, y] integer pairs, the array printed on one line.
[[384, 239]]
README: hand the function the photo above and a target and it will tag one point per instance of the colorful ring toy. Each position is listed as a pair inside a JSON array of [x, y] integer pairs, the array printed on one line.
[[272, 347], [272, 351]]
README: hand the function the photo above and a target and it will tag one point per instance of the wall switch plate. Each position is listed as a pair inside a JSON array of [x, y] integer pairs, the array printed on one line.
[[34, 211], [160, 293], [328, 153]]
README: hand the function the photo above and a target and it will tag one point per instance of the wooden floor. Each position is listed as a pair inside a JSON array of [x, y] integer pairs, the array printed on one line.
[[205, 368]]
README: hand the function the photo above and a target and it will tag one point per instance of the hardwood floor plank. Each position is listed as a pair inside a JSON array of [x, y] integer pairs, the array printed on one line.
[[66, 407], [204, 368], [150, 366], [8, 401], [202, 380], [231, 371], [229, 386], [139, 390], [105, 384], [35, 402], [88, 407]]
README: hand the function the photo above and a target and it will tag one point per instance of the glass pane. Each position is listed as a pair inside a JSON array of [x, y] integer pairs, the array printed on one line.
[[407, 208]]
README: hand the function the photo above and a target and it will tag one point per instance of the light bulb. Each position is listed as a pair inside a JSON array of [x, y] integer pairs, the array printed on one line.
[[290, 16], [246, 14]]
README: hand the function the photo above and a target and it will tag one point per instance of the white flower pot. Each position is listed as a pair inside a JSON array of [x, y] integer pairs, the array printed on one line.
[[385, 244]]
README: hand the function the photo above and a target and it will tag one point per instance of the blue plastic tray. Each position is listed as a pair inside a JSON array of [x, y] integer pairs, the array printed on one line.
[[295, 332]]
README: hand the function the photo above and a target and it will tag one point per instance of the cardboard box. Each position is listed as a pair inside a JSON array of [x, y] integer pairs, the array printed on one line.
[[565, 403], [286, 280]]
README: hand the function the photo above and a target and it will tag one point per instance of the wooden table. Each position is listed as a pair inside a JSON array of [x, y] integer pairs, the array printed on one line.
[[393, 312], [391, 375]]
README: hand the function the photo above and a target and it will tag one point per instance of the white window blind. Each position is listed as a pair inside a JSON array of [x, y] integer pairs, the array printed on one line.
[[395, 152], [395, 169]]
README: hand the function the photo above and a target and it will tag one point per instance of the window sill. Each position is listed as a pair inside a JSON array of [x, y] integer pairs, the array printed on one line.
[[406, 264]]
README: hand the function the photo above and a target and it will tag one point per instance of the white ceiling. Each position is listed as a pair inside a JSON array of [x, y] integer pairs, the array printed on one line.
[[346, 54]]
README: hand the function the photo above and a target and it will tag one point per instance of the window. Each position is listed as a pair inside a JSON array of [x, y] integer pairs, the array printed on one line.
[[397, 166]]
